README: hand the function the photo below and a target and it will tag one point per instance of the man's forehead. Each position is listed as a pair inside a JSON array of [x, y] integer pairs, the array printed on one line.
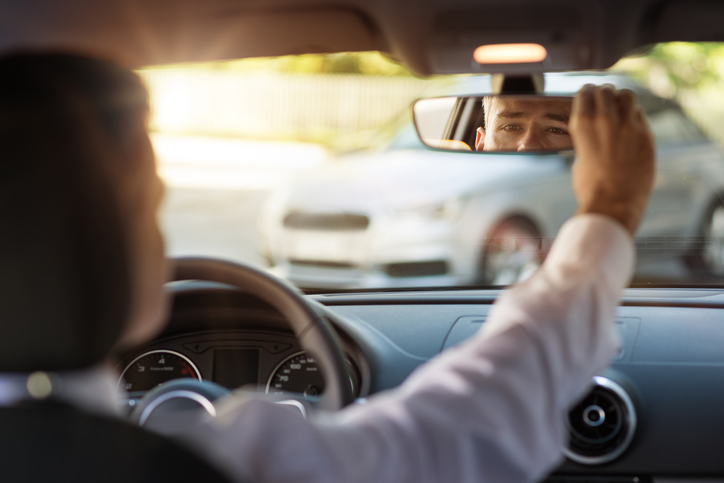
[[515, 107]]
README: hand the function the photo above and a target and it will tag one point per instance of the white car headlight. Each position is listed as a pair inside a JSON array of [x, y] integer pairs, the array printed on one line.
[[448, 210]]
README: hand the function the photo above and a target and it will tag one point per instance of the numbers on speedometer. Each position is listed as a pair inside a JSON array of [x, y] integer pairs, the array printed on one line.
[[155, 367], [297, 373]]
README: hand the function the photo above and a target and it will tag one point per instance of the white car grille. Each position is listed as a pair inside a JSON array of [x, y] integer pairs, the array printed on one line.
[[298, 220]]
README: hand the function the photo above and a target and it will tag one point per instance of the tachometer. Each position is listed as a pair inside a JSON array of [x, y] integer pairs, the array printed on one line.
[[155, 367]]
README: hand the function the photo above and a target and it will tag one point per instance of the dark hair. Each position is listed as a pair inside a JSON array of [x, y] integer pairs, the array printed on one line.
[[64, 282]]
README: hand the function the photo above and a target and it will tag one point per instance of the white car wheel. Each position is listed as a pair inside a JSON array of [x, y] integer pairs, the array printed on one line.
[[512, 252], [708, 257], [714, 242]]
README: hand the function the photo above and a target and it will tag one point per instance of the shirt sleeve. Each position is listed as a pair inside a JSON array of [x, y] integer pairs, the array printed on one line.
[[489, 410]]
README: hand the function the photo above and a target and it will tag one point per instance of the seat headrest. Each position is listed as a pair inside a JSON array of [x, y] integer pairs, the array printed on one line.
[[64, 285]]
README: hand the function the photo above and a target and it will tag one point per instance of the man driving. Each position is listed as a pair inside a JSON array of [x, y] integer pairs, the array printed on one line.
[[492, 409], [524, 124]]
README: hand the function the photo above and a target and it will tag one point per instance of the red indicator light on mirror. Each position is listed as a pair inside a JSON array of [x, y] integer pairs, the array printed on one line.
[[510, 54]]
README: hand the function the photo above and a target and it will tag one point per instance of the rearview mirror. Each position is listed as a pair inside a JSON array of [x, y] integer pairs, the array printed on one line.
[[494, 123]]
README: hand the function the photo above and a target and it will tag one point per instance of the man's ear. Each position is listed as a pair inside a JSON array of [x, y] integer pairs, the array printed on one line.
[[480, 139]]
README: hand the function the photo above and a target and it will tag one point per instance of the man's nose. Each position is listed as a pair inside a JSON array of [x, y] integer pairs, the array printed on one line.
[[530, 141]]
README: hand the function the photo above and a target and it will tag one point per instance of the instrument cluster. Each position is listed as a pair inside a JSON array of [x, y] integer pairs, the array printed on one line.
[[270, 362]]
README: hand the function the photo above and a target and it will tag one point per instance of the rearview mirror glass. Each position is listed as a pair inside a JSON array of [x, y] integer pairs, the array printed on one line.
[[488, 123]]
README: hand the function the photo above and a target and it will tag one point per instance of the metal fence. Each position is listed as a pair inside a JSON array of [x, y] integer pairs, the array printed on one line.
[[268, 105]]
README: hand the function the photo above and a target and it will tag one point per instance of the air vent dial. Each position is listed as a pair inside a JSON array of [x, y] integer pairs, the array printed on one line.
[[602, 425]]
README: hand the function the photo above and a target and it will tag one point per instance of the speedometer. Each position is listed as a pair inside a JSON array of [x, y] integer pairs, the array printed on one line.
[[155, 367], [300, 373], [297, 373]]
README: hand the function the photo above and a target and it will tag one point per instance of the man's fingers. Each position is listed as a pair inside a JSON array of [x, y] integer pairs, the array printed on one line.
[[626, 102], [640, 117], [583, 103], [605, 104], [640, 114], [604, 101]]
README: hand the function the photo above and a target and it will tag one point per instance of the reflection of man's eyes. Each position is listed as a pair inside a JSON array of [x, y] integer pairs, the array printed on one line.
[[510, 127], [557, 130]]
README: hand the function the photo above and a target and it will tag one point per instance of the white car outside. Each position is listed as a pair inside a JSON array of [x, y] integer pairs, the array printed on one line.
[[396, 219]]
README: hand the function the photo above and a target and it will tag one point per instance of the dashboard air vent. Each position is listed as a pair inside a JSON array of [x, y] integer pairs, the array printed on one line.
[[602, 425]]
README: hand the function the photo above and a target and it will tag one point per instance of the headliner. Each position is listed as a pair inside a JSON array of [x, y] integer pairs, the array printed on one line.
[[431, 36]]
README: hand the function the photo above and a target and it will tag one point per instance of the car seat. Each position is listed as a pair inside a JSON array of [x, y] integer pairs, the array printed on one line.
[[64, 300]]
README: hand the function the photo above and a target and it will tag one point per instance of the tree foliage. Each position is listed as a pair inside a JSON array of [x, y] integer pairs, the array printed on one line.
[[678, 66], [366, 63]]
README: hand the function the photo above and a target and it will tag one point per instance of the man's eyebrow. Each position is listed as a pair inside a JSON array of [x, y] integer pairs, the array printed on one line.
[[557, 117], [518, 114], [512, 114]]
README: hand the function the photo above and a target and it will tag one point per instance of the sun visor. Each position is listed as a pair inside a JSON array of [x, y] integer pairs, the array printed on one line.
[[139, 32], [688, 21]]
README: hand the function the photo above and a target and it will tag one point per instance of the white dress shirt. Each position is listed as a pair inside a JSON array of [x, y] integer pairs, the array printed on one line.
[[489, 410]]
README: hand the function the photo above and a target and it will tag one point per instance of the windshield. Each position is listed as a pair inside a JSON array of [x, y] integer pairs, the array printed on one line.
[[310, 167]]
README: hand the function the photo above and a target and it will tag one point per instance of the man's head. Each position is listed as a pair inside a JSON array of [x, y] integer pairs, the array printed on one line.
[[85, 262], [524, 124]]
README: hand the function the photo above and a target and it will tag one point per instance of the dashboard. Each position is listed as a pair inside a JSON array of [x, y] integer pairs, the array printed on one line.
[[656, 413], [233, 339]]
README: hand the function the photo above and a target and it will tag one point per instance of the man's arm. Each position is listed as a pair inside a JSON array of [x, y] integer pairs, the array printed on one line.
[[491, 409]]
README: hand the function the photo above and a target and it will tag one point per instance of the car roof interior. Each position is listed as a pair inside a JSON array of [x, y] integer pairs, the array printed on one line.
[[431, 37]]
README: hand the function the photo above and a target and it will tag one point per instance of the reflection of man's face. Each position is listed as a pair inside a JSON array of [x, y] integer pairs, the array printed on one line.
[[514, 124]]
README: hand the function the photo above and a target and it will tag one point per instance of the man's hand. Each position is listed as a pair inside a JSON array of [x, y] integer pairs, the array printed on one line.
[[614, 170]]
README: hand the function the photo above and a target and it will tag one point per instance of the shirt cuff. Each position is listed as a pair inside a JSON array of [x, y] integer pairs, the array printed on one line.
[[596, 243]]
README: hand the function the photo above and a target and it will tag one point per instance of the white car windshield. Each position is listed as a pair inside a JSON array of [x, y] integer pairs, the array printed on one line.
[[310, 167]]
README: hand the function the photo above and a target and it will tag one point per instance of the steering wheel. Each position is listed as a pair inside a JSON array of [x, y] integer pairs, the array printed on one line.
[[314, 332]]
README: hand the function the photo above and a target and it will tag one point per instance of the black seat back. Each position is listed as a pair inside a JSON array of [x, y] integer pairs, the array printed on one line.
[[65, 276], [50, 441]]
